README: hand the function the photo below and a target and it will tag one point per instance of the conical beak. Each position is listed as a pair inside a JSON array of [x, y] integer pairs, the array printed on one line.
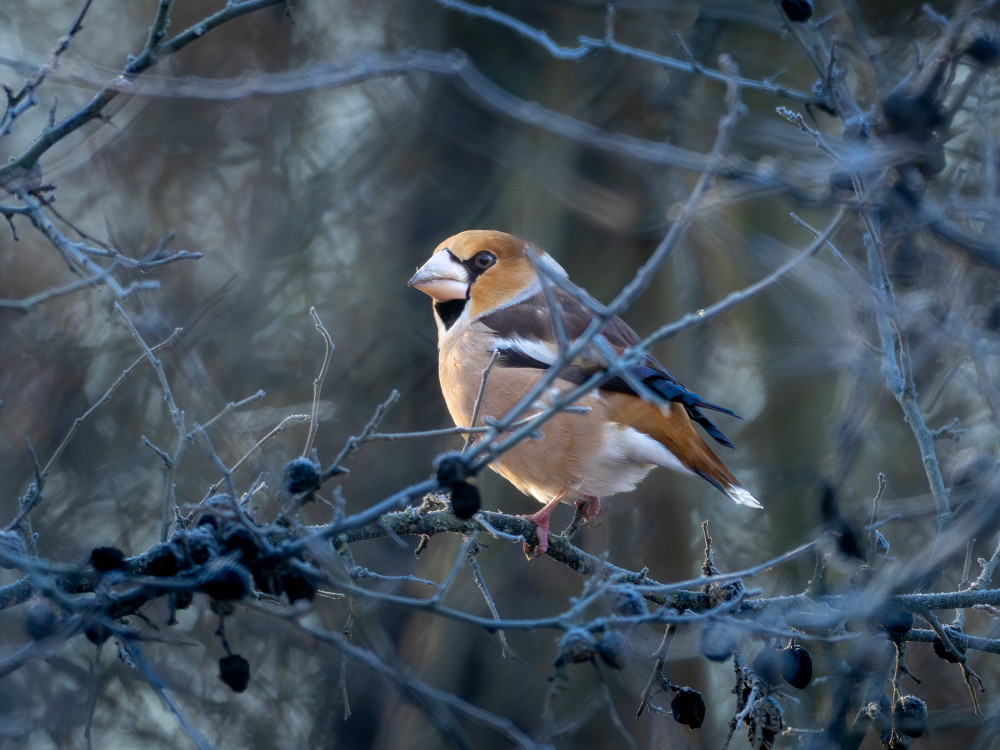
[[442, 277]]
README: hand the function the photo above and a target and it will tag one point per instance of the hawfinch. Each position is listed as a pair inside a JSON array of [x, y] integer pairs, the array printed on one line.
[[489, 298]]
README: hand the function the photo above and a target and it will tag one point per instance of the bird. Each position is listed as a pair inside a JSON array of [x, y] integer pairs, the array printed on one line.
[[490, 305]]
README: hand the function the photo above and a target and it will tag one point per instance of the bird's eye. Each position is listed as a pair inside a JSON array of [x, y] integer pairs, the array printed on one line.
[[484, 260]]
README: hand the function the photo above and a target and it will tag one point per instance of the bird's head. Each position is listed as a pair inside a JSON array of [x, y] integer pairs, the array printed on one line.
[[480, 269]]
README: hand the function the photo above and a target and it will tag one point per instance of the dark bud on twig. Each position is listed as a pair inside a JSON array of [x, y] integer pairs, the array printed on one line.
[[768, 665], [798, 11], [162, 561], [265, 578], [576, 646], [718, 639], [796, 666], [614, 649], [300, 475], [984, 49], [465, 499], [895, 622], [201, 545], [920, 118], [847, 540], [239, 540], [97, 633], [207, 519], [107, 558], [909, 715], [688, 708], [298, 585], [234, 670], [452, 469], [957, 640], [42, 618], [628, 602], [226, 581], [182, 599], [913, 115]]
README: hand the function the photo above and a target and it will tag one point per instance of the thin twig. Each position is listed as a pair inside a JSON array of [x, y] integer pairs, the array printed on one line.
[[656, 676], [274, 432], [873, 532], [962, 658], [318, 382], [587, 46], [159, 687], [354, 443], [409, 685], [477, 407], [473, 556]]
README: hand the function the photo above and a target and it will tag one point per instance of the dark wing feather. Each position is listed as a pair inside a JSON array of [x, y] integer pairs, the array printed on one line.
[[526, 320]]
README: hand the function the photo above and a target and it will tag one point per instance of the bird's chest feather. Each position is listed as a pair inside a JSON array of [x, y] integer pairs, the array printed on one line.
[[571, 455], [462, 359]]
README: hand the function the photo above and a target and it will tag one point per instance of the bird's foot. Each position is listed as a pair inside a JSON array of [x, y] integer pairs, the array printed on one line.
[[540, 521], [541, 531], [590, 510]]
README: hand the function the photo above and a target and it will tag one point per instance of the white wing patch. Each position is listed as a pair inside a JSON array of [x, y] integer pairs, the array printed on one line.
[[545, 352], [639, 447]]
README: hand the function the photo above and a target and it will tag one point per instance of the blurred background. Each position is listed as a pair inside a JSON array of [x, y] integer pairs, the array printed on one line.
[[330, 196]]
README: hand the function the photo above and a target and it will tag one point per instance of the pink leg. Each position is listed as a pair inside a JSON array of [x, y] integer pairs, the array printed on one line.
[[541, 521], [591, 509]]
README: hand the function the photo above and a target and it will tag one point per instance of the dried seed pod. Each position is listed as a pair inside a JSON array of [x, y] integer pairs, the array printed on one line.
[[768, 665], [207, 519], [628, 602], [200, 545], [162, 562], [909, 715], [798, 11], [107, 558], [465, 499], [300, 475], [238, 539], [234, 670], [957, 639], [576, 646], [718, 639], [452, 469], [895, 622], [298, 585], [182, 599], [97, 633], [614, 649], [42, 617], [226, 581], [688, 708], [797, 666], [984, 48]]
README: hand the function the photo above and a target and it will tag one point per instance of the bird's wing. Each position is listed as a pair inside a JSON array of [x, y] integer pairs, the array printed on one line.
[[525, 338]]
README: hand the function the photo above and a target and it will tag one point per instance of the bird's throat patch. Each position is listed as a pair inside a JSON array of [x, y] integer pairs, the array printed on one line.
[[448, 312]]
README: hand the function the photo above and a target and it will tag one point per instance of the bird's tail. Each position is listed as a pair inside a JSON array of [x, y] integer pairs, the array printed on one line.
[[733, 490]]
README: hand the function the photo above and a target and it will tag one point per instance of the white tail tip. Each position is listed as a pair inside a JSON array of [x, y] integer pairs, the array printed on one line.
[[741, 496]]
